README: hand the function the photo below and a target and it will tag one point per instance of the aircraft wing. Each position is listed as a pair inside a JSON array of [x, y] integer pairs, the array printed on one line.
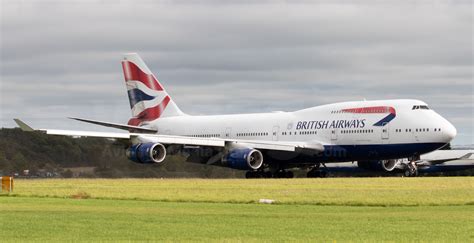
[[115, 125], [183, 140], [442, 156]]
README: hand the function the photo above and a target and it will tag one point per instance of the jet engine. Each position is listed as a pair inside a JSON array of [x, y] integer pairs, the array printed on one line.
[[244, 159], [146, 153], [378, 165]]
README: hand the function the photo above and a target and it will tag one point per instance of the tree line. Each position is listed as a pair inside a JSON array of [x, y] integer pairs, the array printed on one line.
[[58, 156]]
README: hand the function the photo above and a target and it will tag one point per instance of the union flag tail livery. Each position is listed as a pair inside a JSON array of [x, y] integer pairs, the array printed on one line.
[[148, 99]]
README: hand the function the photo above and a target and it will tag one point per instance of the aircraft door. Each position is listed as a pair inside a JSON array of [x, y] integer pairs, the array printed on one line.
[[228, 132], [385, 131], [275, 131], [333, 134], [415, 135]]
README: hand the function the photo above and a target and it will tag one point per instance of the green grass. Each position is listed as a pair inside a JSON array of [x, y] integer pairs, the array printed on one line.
[[52, 219], [330, 191], [373, 209]]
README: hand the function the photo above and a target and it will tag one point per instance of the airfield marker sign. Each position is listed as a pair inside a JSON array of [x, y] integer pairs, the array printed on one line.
[[7, 183]]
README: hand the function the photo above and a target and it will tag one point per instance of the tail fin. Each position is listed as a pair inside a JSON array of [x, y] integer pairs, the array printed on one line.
[[148, 99]]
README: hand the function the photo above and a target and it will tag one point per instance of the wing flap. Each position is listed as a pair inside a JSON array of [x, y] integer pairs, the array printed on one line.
[[168, 139], [87, 134], [264, 145], [218, 142]]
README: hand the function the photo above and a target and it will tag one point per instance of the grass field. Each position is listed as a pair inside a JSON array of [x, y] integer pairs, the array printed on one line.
[[332, 209]]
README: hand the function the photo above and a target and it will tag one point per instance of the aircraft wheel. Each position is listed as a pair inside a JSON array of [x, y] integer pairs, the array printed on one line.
[[414, 173], [411, 171], [323, 174], [278, 174], [250, 174], [313, 174], [283, 174], [407, 173]]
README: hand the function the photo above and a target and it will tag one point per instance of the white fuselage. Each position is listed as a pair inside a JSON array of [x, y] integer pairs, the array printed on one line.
[[349, 131], [328, 124]]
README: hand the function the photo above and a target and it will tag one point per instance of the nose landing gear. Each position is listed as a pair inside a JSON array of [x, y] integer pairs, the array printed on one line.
[[411, 169]]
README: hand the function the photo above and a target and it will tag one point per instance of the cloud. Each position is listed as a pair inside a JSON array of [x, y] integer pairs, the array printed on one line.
[[61, 58]]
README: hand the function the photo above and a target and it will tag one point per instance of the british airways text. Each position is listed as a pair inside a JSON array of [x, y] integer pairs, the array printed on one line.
[[306, 125]]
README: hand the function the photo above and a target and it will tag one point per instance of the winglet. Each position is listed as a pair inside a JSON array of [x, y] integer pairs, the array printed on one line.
[[23, 126]]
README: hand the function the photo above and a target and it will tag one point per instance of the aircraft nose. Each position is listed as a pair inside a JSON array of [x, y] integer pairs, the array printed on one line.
[[449, 131]]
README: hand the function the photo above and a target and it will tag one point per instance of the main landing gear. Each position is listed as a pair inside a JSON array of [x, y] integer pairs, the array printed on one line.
[[268, 174], [258, 174], [316, 172], [283, 174]]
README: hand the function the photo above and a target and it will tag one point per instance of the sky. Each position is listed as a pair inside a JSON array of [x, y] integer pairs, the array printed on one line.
[[62, 58]]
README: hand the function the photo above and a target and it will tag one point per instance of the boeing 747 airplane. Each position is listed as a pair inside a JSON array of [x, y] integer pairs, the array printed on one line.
[[375, 133]]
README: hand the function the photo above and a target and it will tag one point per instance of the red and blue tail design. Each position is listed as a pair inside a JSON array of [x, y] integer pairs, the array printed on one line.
[[376, 110], [148, 100]]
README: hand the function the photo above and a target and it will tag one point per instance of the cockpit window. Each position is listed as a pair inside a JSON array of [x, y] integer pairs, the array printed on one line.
[[420, 107]]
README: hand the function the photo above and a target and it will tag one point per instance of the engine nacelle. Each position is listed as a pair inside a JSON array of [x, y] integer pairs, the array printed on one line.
[[147, 153], [378, 165], [244, 159]]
